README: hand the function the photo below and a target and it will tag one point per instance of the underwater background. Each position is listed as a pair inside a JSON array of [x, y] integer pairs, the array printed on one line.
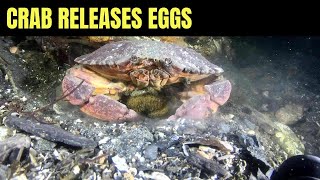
[[273, 113]]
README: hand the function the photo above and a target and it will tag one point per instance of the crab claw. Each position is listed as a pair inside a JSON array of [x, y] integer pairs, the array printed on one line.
[[80, 95], [101, 107], [108, 109], [201, 107]]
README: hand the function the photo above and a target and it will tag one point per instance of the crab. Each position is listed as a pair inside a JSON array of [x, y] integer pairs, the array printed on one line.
[[119, 68]]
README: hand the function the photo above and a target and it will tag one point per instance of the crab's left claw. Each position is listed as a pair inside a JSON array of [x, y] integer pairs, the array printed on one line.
[[201, 107], [108, 109]]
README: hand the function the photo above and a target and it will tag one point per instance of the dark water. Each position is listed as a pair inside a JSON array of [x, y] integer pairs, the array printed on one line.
[[301, 52]]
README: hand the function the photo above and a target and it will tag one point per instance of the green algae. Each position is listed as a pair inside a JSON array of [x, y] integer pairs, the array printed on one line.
[[288, 141]]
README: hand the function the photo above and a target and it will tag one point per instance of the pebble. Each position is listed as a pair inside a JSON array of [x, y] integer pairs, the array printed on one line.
[[24, 99], [157, 176], [265, 93], [120, 163], [42, 144], [57, 155], [2, 107], [5, 133], [14, 114], [151, 152], [13, 49], [142, 159], [265, 107], [133, 171], [76, 170], [78, 121], [104, 140], [289, 114], [57, 109], [230, 116]]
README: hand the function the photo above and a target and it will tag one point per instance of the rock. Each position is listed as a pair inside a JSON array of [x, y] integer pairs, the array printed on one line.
[[15, 142], [151, 152], [44, 145], [288, 140], [157, 176], [120, 163], [4, 172], [129, 142], [49, 132], [5, 133], [289, 114]]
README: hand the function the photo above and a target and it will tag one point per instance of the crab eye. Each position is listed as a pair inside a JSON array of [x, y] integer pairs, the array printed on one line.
[[167, 61], [134, 59]]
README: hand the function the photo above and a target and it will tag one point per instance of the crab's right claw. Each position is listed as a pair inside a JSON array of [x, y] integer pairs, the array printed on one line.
[[201, 107]]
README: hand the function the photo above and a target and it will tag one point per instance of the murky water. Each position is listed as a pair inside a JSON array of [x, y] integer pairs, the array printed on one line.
[[284, 74], [273, 112]]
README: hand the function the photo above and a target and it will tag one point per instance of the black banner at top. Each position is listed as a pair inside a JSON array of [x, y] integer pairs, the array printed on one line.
[[145, 17]]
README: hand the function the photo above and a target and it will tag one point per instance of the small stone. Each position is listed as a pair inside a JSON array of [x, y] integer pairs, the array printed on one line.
[[117, 176], [78, 121], [133, 160], [43, 145], [5, 133], [230, 116], [76, 170], [159, 176], [142, 159], [161, 135], [104, 140], [265, 93], [265, 107], [128, 176], [120, 163], [8, 91], [14, 114], [57, 155], [57, 109], [141, 174], [13, 49], [106, 174], [24, 99], [20, 177], [289, 114], [133, 171], [229, 156], [151, 152], [251, 132], [4, 172]]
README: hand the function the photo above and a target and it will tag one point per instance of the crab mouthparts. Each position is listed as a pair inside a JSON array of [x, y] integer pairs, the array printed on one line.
[[143, 77]]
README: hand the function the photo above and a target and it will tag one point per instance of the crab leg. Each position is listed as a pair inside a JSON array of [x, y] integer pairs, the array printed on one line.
[[201, 106]]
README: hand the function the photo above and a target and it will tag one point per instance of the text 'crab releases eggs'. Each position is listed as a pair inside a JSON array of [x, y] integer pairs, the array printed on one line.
[[121, 72]]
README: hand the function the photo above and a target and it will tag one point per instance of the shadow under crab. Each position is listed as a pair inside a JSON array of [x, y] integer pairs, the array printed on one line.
[[159, 71]]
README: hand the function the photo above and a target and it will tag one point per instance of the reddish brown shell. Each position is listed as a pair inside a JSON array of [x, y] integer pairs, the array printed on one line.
[[178, 57]]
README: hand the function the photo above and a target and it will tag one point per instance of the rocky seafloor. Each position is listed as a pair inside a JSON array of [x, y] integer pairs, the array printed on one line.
[[272, 114]]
